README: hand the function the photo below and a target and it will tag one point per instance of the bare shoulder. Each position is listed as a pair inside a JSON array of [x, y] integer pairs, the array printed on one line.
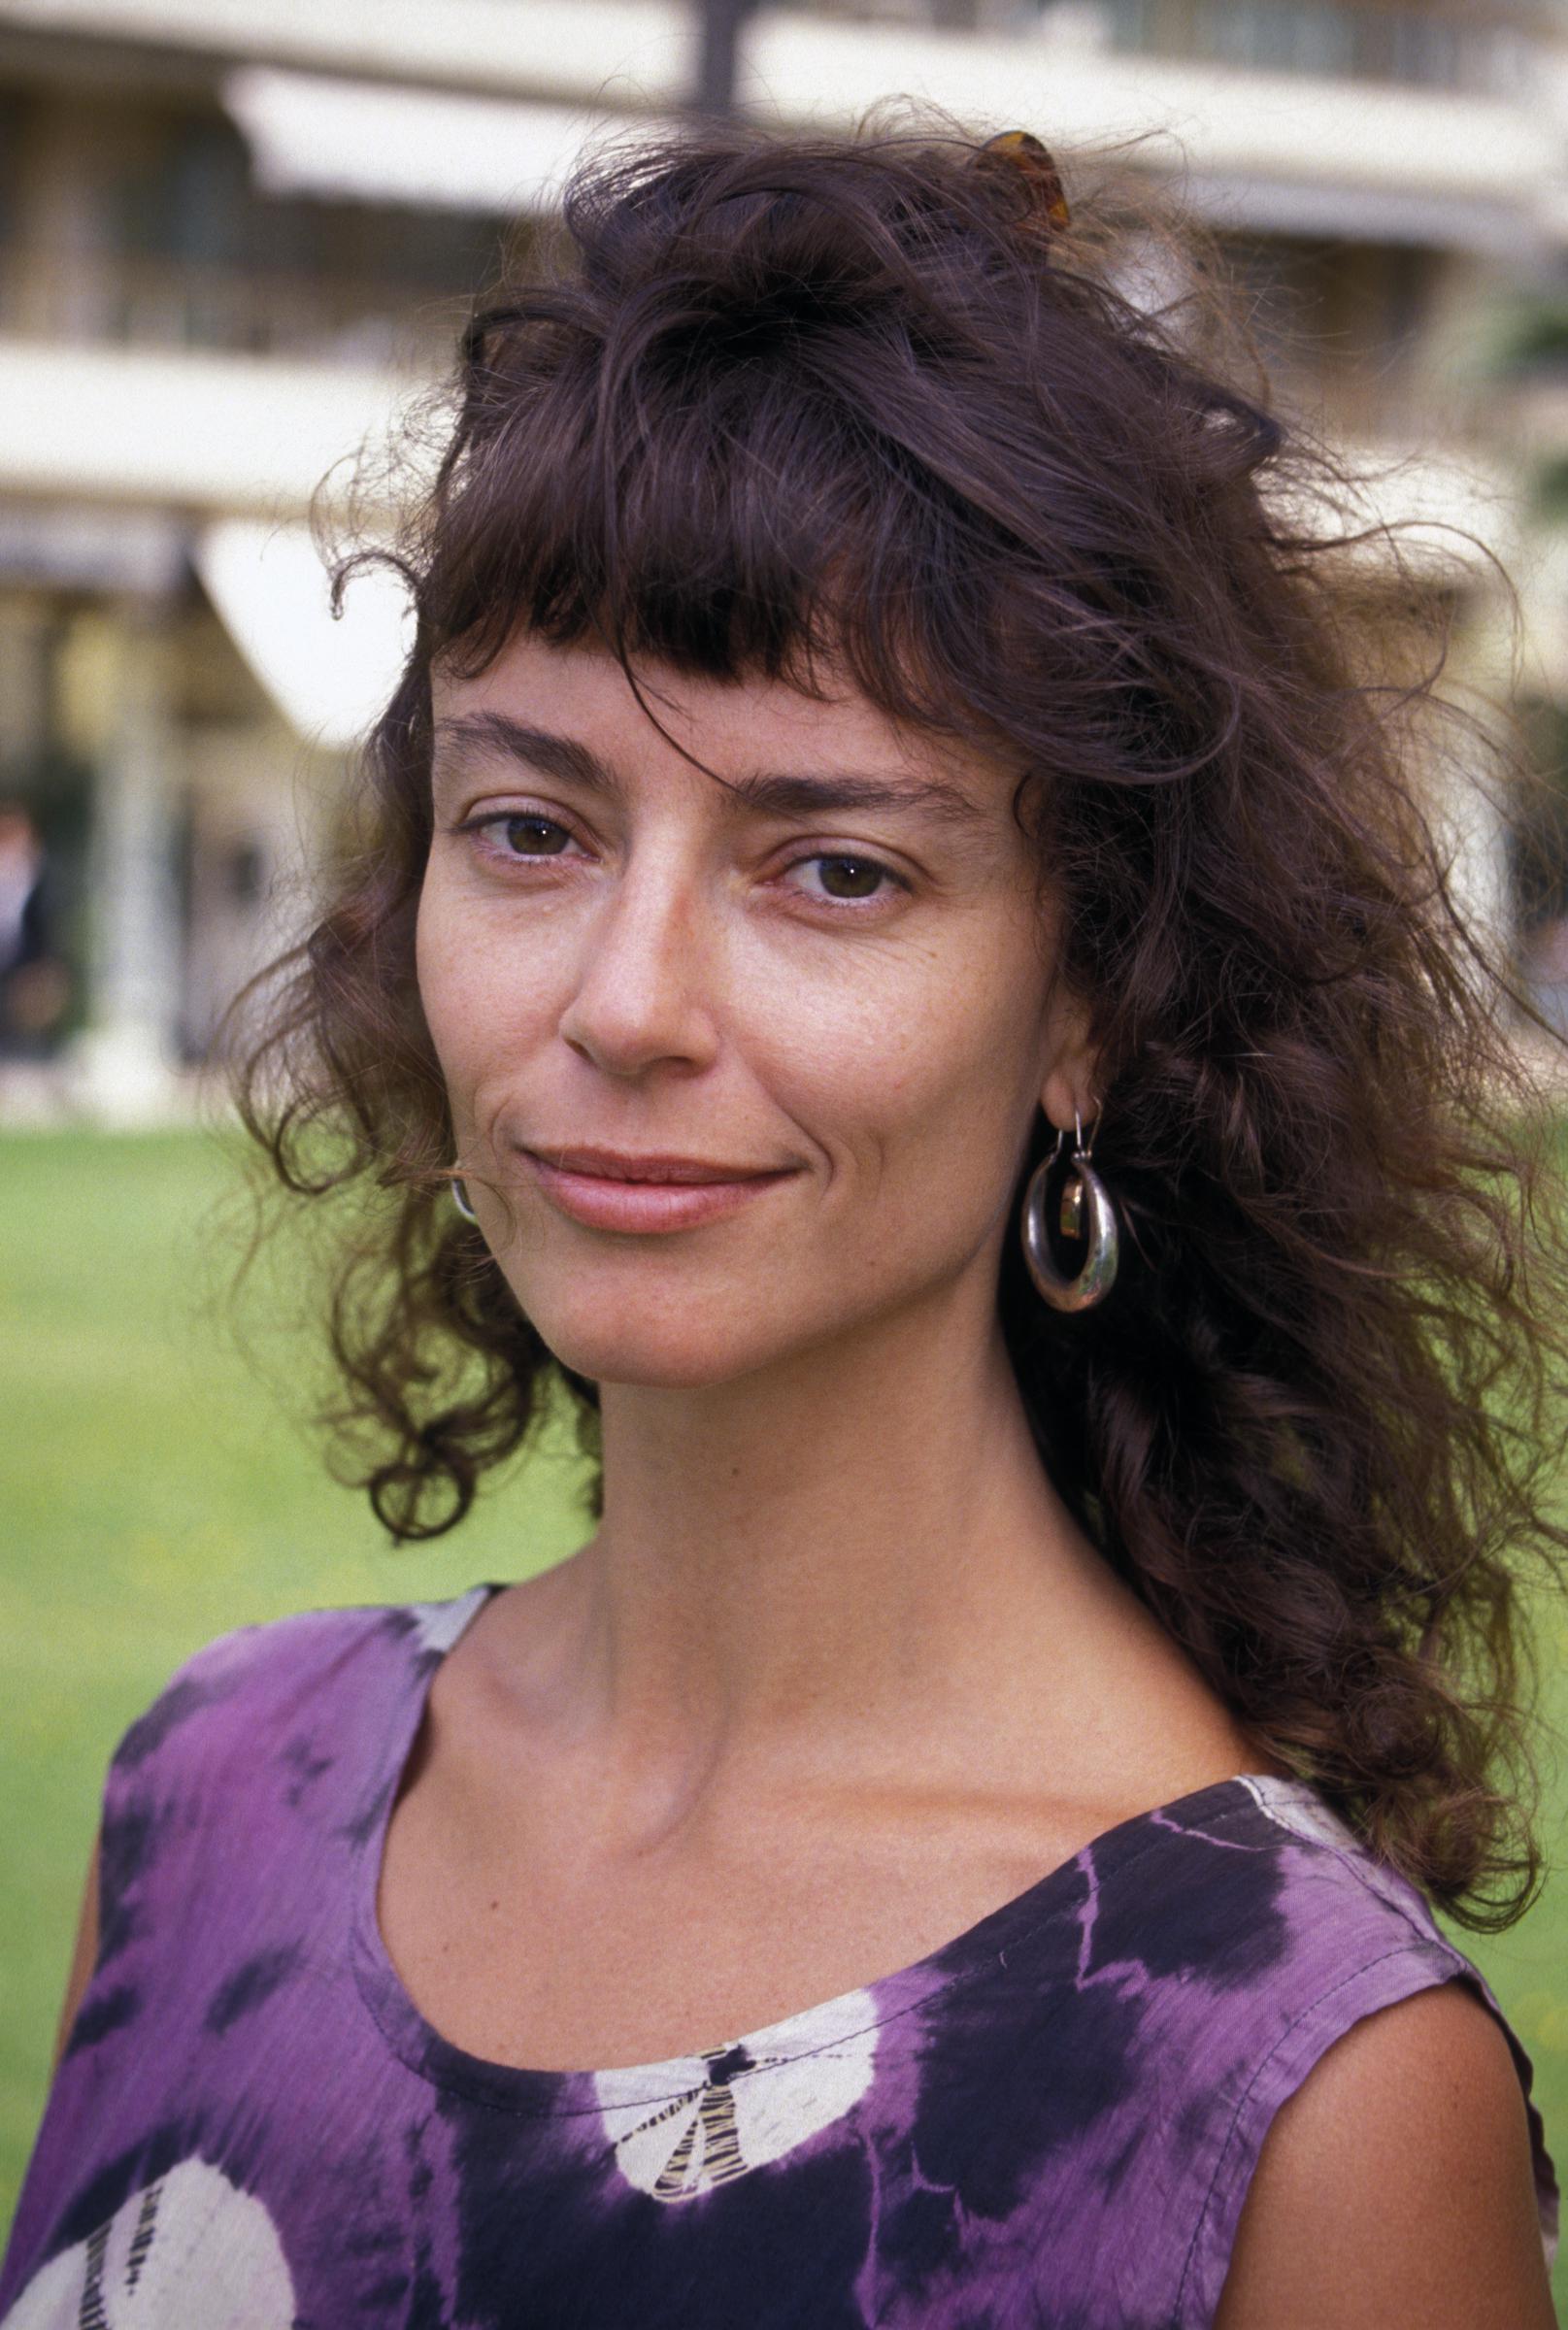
[[1395, 2187]]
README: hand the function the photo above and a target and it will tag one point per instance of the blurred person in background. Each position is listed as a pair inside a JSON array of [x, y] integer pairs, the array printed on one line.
[[894, 961], [34, 985]]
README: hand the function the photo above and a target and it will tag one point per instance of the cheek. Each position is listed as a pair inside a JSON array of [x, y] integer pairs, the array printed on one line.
[[921, 1089], [439, 970], [475, 1004]]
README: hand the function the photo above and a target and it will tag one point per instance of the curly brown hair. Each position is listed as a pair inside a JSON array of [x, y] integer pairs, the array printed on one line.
[[783, 399]]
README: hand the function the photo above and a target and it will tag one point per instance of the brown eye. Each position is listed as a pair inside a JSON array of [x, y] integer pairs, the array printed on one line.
[[850, 877], [522, 836]]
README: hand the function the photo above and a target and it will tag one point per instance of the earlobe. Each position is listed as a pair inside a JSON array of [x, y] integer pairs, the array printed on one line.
[[1071, 1086], [1070, 1094]]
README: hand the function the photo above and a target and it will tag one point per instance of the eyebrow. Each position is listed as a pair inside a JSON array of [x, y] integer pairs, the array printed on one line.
[[766, 792]]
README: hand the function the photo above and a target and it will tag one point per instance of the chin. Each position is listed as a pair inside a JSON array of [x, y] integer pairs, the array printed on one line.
[[622, 1358], [619, 1345]]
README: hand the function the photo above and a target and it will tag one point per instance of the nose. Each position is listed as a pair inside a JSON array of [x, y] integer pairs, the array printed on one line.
[[644, 989]]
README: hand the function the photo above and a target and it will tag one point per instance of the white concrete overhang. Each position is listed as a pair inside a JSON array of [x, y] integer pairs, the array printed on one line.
[[614, 52], [193, 429], [430, 148], [1491, 226], [329, 676], [1237, 124]]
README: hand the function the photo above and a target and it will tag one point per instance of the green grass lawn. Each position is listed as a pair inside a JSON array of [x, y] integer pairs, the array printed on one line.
[[159, 1484]]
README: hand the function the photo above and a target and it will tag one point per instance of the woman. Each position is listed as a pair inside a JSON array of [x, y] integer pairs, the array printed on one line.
[[894, 963]]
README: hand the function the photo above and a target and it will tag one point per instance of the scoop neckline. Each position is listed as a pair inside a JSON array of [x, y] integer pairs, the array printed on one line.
[[828, 2022]]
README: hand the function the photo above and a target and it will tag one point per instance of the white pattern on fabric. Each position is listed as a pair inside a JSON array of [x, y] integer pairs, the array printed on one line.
[[1297, 1806], [190, 2252], [724, 2121]]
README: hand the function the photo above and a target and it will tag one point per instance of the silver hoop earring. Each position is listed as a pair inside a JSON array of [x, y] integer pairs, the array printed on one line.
[[1085, 1211], [461, 1200]]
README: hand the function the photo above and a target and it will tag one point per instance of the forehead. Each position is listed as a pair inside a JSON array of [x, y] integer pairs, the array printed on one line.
[[736, 728]]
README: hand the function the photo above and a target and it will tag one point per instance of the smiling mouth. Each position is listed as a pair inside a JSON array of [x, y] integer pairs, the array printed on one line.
[[687, 1194], [661, 1169]]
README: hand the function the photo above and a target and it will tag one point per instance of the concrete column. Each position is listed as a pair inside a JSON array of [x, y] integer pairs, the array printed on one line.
[[60, 287], [1471, 821], [719, 25], [127, 1055], [1472, 807]]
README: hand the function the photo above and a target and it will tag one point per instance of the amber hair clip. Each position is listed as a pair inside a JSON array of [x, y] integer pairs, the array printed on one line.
[[1032, 168]]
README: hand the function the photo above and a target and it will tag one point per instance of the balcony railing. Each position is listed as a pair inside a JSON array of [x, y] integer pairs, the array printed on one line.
[[1483, 47], [1419, 48], [137, 301]]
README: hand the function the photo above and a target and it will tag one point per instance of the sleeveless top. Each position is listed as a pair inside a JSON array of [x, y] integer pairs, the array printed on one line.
[[1053, 2119]]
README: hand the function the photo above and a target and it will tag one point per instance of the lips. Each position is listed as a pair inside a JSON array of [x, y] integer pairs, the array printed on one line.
[[612, 1165], [614, 1193]]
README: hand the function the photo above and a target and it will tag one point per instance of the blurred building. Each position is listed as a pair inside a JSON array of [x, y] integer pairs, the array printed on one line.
[[237, 235]]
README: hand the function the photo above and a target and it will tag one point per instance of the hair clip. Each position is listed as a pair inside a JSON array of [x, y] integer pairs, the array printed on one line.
[[1019, 150]]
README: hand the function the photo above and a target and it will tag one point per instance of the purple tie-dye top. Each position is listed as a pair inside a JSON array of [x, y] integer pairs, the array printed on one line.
[[1053, 2121]]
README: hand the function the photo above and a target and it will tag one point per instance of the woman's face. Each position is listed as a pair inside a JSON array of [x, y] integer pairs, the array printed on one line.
[[839, 986]]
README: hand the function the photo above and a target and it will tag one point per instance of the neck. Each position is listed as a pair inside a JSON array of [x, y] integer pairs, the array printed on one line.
[[846, 1562]]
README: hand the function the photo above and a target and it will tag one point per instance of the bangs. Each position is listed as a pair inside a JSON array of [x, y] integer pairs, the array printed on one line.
[[731, 517], [823, 412], [702, 481]]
